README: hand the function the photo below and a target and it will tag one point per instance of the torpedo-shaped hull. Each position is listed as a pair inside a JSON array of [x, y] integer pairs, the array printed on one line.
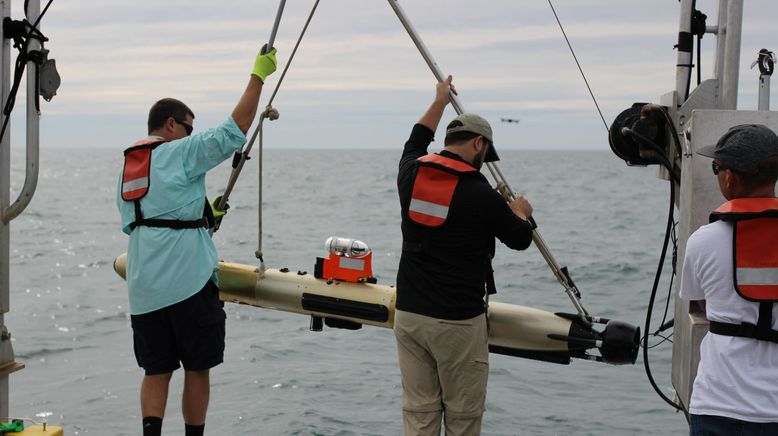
[[514, 330]]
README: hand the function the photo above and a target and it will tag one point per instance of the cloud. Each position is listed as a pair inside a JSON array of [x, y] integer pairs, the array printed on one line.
[[116, 58]]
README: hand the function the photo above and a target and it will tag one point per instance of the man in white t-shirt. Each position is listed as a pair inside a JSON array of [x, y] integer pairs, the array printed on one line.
[[731, 270]]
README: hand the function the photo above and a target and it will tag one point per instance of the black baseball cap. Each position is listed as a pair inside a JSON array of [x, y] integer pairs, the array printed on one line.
[[743, 148]]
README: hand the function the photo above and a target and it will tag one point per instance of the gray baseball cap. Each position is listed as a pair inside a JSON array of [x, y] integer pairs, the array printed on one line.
[[743, 147], [474, 124]]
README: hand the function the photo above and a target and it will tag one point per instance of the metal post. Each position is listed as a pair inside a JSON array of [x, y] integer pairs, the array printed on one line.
[[237, 169], [273, 32], [721, 44], [732, 33], [766, 62], [764, 92], [5, 164], [6, 352], [9, 212], [685, 45], [33, 123]]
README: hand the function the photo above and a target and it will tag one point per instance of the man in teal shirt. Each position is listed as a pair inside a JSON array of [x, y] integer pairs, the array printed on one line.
[[177, 318]]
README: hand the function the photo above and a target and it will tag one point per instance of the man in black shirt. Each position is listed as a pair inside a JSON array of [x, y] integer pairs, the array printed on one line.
[[450, 218]]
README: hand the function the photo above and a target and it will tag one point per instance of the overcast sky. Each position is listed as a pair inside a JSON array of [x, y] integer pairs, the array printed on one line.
[[357, 80]]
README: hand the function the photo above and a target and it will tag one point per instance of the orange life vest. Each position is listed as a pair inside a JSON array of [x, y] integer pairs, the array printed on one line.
[[137, 168], [755, 262], [136, 180], [433, 189], [436, 180]]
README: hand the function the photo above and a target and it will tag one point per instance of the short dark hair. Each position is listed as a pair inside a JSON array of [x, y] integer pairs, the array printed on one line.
[[457, 138], [166, 108], [767, 175]]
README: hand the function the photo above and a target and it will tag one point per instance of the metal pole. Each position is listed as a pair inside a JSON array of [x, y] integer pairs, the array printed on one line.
[[764, 92], [436, 71], [685, 44], [721, 43], [5, 165], [766, 62], [8, 213], [33, 127], [275, 24], [236, 171], [502, 184], [6, 352], [732, 34]]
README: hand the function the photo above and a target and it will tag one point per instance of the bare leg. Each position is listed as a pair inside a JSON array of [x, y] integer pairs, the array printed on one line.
[[194, 403], [153, 395]]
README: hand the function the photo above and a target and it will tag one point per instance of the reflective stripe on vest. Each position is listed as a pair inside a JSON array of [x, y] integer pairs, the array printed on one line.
[[757, 276], [129, 187], [422, 207], [433, 189], [137, 166], [755, 246]]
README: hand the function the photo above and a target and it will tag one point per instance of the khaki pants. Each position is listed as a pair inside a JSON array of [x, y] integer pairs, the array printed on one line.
[[444, 366]]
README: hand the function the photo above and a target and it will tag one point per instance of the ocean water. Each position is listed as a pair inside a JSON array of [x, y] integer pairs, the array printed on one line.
[[71, 328]]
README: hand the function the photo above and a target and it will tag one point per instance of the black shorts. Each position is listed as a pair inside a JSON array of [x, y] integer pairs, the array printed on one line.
[[190, 332]]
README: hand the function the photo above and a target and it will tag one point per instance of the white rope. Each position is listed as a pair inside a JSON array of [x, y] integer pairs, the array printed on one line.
[[272, 114]]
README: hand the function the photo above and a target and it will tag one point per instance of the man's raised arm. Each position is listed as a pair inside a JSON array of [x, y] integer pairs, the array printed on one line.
[[246, 109]]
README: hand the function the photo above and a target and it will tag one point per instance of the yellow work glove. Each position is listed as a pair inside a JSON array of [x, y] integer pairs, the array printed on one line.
[[265, 64], [214, 208], [216, 213]]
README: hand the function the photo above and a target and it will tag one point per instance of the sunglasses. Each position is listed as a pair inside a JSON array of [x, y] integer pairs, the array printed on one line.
[[717, 167], [187, 127]]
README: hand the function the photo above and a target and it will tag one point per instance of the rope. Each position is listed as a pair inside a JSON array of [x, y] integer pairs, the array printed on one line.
[[272, 113], [579, 65]]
